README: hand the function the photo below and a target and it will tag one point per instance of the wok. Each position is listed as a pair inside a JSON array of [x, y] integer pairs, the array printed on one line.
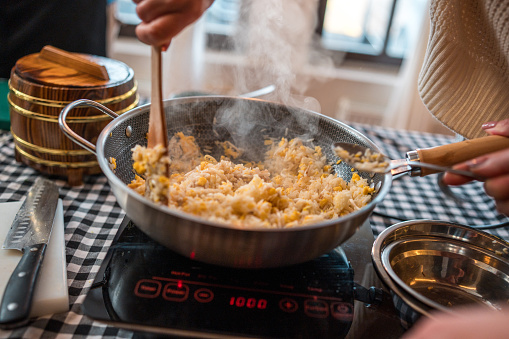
[[244, 122]]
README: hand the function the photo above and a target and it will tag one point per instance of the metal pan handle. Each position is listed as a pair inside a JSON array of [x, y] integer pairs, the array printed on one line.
[[73, 135]]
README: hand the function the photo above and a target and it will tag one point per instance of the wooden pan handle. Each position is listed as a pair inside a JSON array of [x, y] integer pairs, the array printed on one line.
[[452, 154], [74, 61]]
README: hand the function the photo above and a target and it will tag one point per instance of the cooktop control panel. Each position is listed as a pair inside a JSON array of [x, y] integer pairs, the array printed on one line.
[[144, 286]]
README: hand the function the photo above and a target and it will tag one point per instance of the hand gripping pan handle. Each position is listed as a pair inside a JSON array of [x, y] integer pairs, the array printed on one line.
[[452, 154]]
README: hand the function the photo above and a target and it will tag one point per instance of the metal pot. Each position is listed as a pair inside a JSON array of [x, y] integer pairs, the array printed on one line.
[[432, 265], [245, 122]]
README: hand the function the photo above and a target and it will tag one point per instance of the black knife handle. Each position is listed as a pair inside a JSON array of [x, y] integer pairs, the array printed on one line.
[[18, 294]]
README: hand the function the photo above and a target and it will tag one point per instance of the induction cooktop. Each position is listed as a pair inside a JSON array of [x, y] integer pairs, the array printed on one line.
[[145, 287]]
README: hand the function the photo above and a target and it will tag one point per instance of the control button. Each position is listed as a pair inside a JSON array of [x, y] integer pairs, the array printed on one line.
[[342, 311], [288, 305], [175, 291], [146, 288], [203, 295], [316, 308]]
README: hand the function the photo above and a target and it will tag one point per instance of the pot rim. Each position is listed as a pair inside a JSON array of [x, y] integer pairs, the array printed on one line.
[[386, 238]]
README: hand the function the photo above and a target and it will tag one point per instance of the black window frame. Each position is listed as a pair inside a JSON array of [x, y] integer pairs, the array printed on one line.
[[220, 42], [382, 58]]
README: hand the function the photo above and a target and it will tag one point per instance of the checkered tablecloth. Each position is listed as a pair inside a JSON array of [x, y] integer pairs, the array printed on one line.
[[92, 217]]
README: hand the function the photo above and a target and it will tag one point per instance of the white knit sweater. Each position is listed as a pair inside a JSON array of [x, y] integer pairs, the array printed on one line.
[[464, 81]]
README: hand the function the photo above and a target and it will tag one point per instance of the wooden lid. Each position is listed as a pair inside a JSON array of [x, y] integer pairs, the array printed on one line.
[[57, 68]]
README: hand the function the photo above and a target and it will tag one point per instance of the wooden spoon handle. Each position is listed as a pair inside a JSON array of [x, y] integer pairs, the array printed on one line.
[[157, 133], [452, 154]]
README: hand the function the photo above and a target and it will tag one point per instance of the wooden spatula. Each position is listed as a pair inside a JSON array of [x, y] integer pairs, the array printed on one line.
[[157, 132]]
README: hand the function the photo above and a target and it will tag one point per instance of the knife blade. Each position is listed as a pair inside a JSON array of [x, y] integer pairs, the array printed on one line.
[[29, 233]]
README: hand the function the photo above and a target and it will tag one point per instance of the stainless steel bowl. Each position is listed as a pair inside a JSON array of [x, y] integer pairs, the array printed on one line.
[[434, 265]]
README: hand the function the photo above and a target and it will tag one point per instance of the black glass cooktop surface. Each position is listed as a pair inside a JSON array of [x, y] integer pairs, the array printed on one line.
[[144, 286]]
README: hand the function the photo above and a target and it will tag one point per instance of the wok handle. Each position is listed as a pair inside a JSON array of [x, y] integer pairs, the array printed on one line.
[[73, 135], [452, 154]]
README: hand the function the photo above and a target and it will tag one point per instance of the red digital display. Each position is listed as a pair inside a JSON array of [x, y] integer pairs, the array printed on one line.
[[260, 304]]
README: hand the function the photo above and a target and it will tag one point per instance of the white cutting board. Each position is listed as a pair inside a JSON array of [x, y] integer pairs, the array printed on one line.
[[51, 294]]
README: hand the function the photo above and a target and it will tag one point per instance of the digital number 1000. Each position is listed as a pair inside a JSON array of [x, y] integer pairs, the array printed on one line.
[[248, 302]]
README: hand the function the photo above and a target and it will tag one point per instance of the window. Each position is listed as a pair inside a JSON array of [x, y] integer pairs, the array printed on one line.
[[377, 31], [382, 31], [126, 12], [222, 17]]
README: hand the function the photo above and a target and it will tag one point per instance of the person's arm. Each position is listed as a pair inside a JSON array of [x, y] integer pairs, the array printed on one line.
[[164, 19], [494, 167], [474, 322]]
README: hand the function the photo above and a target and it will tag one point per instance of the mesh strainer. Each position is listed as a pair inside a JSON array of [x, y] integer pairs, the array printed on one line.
[[246, 123]]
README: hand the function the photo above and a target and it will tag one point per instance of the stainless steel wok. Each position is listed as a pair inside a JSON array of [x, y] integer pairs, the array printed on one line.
[[244, 122]]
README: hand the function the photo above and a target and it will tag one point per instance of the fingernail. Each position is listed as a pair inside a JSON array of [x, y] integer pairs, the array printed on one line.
[[489, 125], [474, 163], [165, 47]]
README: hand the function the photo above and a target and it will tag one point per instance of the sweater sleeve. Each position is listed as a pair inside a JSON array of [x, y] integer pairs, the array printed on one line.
[[464, 80]]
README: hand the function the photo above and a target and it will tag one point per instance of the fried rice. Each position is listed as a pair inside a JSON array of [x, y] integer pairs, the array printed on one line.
[[292, 186]]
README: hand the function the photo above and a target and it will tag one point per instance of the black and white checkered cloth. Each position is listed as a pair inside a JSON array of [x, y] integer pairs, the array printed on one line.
[[92, 217]]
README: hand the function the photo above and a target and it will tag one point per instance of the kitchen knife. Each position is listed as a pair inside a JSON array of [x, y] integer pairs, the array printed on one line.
[[29, 233]]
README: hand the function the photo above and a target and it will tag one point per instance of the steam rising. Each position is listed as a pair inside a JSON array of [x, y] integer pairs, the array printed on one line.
[[275, 35]]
